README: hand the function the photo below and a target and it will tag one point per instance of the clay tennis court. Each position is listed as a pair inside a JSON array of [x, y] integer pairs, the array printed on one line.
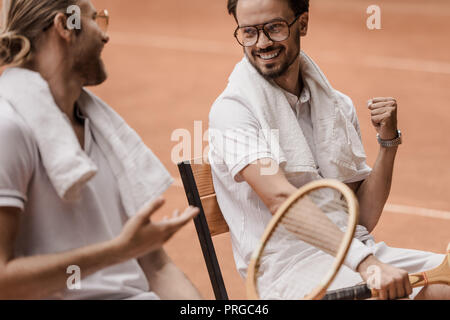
[[169, 59]]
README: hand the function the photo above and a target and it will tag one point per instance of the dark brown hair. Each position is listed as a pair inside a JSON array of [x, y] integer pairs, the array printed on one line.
[[298, 6]]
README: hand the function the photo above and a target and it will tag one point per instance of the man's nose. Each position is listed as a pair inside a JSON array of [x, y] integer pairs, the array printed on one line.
[[105, 38], [263, 41]]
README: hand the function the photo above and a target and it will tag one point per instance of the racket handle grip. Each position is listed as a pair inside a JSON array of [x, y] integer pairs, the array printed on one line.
[[359, 292]]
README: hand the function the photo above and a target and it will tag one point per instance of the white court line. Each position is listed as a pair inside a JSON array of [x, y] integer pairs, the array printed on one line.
[[416, 211], [174, 43], [392, 208], [440, 9], [222, 48], [408, 64], [395, 63]]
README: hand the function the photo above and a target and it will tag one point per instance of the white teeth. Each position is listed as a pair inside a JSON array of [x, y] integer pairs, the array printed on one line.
[[269, 56]]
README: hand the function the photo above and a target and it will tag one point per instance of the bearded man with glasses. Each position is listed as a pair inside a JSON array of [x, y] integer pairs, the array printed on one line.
[[278, 88], [78, 186]]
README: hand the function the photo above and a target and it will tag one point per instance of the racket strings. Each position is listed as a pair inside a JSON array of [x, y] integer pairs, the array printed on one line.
[[329, 205], [299, 253], [312, 220]]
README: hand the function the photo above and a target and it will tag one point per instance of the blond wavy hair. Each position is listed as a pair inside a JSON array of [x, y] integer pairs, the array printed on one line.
[[22, 22]]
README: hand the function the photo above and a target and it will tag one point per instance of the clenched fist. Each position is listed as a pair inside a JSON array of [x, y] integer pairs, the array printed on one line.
[[384, 117]]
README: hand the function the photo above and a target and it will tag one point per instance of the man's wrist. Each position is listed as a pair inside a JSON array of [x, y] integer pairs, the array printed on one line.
[[117, 250], [366, 263], [389, 136], [392, 142]]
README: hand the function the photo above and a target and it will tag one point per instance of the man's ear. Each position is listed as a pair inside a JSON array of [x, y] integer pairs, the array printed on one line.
[[60, 24], [304, 19]]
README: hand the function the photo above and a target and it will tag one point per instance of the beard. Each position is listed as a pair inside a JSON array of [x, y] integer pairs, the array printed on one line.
[[92, 71], [89, 65], [97, 74], [272, 71], [275, 70]]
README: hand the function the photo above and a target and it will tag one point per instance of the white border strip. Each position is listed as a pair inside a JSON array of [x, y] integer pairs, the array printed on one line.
[[416, 211]]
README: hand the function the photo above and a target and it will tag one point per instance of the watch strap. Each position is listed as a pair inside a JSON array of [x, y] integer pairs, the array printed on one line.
[[390, 143]]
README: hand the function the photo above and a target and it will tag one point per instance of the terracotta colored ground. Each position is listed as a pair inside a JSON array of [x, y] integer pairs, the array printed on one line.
[[169, 59]]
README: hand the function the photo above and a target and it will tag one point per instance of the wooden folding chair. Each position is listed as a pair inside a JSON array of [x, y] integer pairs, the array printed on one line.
[[199, 188]]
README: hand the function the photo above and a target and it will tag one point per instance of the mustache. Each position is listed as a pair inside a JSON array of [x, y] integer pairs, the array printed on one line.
[[266, 50]]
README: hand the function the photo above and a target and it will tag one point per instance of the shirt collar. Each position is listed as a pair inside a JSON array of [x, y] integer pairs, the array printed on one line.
[[293, 100], [78, 114]]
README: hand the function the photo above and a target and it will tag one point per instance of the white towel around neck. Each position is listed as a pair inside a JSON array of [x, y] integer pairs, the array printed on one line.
[[339, 148], [140, 175]]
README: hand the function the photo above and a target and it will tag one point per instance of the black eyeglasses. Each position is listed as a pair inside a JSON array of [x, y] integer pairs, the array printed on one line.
[[276, 31]]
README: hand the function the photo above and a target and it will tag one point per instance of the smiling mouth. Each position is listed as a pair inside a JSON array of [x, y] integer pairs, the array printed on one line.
[[270, 55]]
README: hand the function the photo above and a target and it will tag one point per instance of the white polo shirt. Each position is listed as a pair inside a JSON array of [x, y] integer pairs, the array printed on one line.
[[50, 225], [247, 216]]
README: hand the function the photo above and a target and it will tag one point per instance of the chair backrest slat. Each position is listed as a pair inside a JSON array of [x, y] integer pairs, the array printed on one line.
[[203, 179], [216, 223], [199, 188]]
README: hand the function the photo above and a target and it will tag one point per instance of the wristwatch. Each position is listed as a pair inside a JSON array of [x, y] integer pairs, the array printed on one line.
[[390, 143]]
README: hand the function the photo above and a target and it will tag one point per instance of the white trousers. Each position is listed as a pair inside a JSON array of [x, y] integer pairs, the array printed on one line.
[[291, 281]]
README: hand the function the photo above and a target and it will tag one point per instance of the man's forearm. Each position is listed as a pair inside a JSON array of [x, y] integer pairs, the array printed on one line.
[[166, 279], [170, 283], [374, 191], [38, 277]]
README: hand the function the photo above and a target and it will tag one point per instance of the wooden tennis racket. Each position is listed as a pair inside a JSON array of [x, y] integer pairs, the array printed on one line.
[[438, 275], [323, 214]]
